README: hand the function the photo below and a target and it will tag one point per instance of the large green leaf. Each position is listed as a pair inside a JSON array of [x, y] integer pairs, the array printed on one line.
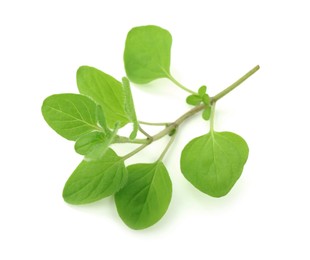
[[147, 54], [71, 115], [146, 196], [95, 180], [214, 162], [106, 91]]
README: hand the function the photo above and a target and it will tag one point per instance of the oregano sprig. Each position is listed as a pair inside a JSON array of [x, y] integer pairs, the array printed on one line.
[[92, 119]]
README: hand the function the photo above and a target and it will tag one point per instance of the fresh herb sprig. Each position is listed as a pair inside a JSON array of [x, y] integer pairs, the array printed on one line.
[[212, 162]]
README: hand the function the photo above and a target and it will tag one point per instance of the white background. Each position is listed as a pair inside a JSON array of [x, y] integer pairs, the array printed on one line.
[[265, 216]]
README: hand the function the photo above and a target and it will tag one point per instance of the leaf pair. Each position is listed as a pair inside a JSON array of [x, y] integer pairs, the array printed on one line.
[[141, 200], [114, 97], [88, 119], [106, 92], [201, 97]]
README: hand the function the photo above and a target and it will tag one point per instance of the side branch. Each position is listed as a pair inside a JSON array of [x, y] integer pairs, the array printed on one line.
[[172, 126]]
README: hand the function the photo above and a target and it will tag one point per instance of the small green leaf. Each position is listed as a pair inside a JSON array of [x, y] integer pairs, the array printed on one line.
[[130, 108], [146, 196], [70, 115], [105, 91], [206, 113], [214, 162], [206, 99], [193, 100], [147, 54], [98, 151], [202, 90], [87, 142], [95, 180]]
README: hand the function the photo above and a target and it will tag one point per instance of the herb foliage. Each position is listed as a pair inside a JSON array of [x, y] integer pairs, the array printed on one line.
[[212, 162]]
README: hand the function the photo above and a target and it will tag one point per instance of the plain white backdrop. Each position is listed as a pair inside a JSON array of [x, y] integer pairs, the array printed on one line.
[[265, 216]]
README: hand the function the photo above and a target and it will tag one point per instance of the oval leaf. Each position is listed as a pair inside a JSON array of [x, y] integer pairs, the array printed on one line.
[[193, 100], [106, 91], [206, 113], [214, 162], [70, 115], [95, 180], [87, 142], [206, 99], [147, 54], [202, 90], [146, 197]]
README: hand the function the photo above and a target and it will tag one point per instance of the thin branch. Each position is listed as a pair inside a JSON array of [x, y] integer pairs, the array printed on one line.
[[234, 85], [161, 157], [153, 124], [135, 151], [145, 133]]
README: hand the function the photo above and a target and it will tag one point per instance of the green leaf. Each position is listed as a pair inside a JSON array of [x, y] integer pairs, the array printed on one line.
[[206, 99], [95, 180], [70, 115], [130, 108], [193, 100], [147, 54], [146, 196], [214, 162], [206, 113], [202, 90], [87, 142], [105, 91], [99, 150]]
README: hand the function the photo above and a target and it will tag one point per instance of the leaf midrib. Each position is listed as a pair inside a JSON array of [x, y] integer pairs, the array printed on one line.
[[75, 118], [148, 193]]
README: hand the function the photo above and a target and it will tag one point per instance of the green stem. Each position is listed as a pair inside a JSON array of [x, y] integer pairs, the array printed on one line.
[[143, 132], [161, 134], [171, 126], [153, 124], [122, 139], [161, 157], [141, 147], [179, 84], [178, 122], [234, 85], [212, 118]]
